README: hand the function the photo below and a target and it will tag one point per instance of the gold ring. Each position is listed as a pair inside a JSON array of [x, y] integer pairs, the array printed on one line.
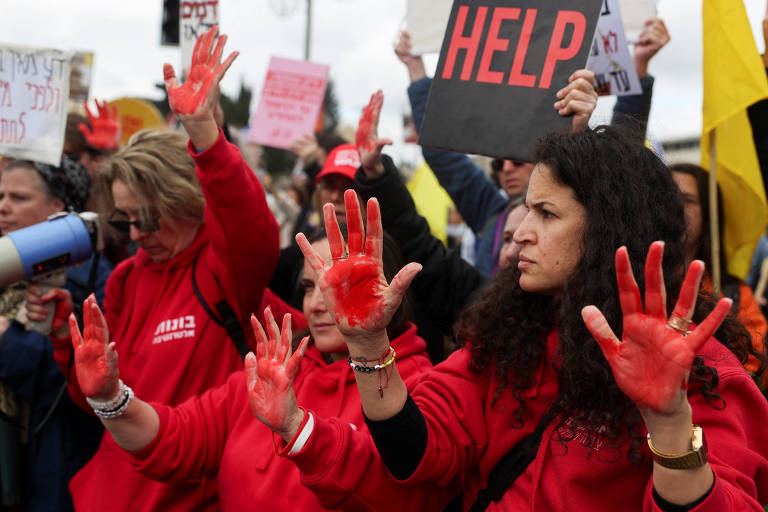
[[679, 324]]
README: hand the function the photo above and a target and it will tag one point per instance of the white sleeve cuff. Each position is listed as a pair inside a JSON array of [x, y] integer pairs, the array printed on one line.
[[303, 437]]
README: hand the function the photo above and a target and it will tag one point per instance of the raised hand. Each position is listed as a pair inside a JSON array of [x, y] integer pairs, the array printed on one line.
[[354, 287], [652, 362], [270, 374], [198, 95], [105, 132], [578, 98], [95, 355], [306, 148], [652, 39], [369, 145], [404, 52]]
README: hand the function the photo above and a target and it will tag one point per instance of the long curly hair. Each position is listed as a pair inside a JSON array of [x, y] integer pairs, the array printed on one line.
[[630, 199]]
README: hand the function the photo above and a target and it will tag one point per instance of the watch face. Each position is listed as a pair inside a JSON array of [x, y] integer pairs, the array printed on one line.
[[697, 439]]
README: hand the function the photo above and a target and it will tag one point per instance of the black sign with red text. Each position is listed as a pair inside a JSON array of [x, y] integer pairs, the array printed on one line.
[[500, 66]]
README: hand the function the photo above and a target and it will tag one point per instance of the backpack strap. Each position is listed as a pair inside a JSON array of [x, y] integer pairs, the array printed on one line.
[[226, 315], [512, 465]]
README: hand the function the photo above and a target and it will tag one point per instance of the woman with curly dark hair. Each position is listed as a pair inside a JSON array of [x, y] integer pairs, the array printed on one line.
[[532, 413]]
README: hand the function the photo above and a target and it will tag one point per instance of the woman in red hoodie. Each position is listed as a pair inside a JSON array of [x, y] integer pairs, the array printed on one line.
[[568, 393], [203, 227], [216, 433]]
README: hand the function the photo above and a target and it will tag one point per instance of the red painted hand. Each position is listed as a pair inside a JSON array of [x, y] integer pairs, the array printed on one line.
[[270, 375], [198, 96], [367, 139], [95, 356], [106, 128], [354, 288], [651, 364]]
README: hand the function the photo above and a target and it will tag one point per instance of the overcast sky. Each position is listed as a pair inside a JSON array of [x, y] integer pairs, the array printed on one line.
[[353, 36]]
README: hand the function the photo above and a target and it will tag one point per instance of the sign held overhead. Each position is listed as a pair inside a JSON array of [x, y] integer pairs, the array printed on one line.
[[499, 69]]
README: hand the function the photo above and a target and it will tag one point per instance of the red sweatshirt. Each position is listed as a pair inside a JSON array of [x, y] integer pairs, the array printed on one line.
[[466, 435], [216, 434], [169, 347]]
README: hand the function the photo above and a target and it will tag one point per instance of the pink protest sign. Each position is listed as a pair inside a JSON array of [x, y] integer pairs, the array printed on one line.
[[290, 102]]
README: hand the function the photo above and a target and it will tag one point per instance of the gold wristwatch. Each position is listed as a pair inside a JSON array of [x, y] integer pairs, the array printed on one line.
[[695, 458]]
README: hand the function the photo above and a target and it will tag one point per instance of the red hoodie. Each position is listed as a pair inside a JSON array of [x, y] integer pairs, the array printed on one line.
[[170, 349], [217, 434], [467, 435]]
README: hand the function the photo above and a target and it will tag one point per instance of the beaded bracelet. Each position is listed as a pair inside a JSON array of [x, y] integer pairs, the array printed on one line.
[[362, 366], [110, 409]]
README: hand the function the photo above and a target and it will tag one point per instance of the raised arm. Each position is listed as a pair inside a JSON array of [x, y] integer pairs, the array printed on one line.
[[444, 274], [652, 39], [243, 232]]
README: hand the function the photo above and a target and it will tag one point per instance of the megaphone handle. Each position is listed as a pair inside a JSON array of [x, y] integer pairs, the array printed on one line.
[[47, 283]]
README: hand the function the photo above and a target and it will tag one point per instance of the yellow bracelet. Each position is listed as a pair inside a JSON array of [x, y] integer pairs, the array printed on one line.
[[362, 366]]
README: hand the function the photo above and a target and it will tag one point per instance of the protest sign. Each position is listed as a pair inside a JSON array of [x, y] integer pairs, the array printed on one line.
[[499, 69], [80, 77], [136, 114], [196, 17], [34, 90], [426, 21], [609, 58], [634, 13], [290, 102]]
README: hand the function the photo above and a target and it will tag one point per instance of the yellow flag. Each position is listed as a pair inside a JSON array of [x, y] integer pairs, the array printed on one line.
[[432, 201], [734, 78]]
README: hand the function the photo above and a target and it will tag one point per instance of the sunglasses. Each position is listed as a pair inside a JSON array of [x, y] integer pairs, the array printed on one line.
[[123, 225]]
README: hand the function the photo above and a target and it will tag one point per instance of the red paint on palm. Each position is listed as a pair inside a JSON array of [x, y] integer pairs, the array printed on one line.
[[95, 357], [265, 394], [652, 362], [204, 72], [269, 377], [335, 240], [357, 291], [105, 129], [363, 135]]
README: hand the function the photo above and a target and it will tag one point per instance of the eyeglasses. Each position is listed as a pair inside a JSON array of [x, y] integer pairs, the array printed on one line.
[[123, 225]]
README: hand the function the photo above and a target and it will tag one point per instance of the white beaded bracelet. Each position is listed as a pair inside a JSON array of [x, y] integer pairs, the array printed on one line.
[[110, 409]]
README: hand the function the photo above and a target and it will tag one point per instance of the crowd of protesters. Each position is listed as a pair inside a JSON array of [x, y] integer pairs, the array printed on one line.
[[241, 344]]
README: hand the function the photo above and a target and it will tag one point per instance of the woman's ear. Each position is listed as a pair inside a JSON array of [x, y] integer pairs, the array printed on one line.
[[57, 205]]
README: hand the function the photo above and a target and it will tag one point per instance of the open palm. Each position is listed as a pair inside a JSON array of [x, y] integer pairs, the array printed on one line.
[[652, 362], [354, 287], [270, 374], [95, 356], [198, 94]]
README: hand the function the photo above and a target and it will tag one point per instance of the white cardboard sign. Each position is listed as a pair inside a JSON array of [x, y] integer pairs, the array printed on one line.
[[635, 13], [426, 21], [195, 18], [34, 91], [609, 58]]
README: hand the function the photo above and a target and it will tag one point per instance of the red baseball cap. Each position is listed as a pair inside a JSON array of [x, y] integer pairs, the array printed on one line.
[[343, 159]]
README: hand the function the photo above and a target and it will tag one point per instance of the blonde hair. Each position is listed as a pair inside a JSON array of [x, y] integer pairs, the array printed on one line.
[[158, 170]]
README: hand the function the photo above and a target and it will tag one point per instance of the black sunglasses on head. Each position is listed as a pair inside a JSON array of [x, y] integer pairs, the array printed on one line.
[[124, 225]]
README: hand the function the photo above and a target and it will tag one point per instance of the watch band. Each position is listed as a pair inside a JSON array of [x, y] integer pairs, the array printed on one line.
[[695, 458]]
